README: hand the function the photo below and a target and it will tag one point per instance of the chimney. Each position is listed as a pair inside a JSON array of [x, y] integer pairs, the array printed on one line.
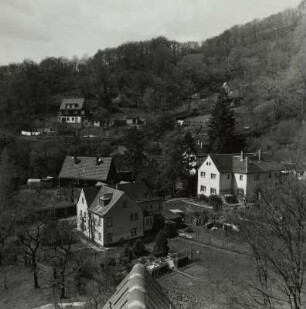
[[259, 155], [241, 155]]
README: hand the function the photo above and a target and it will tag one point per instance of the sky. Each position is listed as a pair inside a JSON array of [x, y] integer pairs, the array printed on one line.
[[36, 29]]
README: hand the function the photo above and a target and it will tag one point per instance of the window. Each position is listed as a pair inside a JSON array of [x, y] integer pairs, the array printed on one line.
[[213, 191], [81, 213], [109, 237], [203, 174], [240, 177], [100, 236], [109, 221], [270, 175], [83, 200], [99, 221], [134, 216], [228, 176], [72, 118], [124, 204], [256, 177], [208, 163], [213, 176], [85, 213], [203, 189], [134, 231]]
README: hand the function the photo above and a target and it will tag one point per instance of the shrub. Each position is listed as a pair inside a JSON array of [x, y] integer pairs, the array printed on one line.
[[139, 248], [161, 244], [216, 202], [203, 198]]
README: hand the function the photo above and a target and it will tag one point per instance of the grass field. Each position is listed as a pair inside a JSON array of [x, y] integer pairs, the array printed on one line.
[[212, 281]]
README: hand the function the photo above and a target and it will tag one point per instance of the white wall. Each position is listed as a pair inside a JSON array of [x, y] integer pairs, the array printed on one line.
[[209, 168], [82, 212]]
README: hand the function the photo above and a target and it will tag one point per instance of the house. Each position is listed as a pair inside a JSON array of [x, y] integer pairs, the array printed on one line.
[[87, 171], [108, 215], [235, 174], [73, 111], [144, 197], [138, 290]]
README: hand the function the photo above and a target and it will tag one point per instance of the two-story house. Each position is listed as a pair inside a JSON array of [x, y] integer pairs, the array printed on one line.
[[144, 197], [109, 217], [73, 111], [235, 174]]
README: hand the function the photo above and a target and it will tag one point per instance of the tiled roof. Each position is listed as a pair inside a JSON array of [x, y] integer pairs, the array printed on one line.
[[85, 168], [138, 290], [90, 194], [223, 162], [138, 191], [226, 163], [114, 196], [78, 101]]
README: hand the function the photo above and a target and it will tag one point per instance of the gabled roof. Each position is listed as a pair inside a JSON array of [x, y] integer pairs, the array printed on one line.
[[90, 193], [112, 194], [138, 191], [223, 162], [227, 163], [138, 290], [78, 101], [85, 168]]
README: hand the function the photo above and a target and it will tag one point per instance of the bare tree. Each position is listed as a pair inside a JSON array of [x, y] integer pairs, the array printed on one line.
[[65, 258], [275, 228]]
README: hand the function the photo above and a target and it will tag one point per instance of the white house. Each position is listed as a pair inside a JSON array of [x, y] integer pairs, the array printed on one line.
[[108, 215], [234, 174]]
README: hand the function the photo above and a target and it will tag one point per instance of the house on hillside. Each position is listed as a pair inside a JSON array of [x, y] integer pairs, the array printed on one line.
[[235, 174], [87, 171], [73, 111], [139, 290], [144, 197], [107, 215]]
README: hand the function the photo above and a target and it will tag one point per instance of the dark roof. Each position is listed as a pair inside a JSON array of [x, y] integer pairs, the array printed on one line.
[[112, 194], [138, 191], [223, 162], [90, 193], [78, 101], [85, 168], [227, 163], [138, 290]]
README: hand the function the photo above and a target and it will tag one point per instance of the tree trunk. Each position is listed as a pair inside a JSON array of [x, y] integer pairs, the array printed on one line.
[[63, 288], [35, 275]]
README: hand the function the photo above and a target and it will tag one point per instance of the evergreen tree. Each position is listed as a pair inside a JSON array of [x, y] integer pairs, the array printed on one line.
[[221, 125], [161, 244]]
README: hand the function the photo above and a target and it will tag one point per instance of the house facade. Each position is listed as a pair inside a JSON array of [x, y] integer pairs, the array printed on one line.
[[73, 111], [235, 174], [144, 197], [110, 217]]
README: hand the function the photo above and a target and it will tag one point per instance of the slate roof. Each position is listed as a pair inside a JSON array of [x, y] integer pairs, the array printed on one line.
[[138, 191], [138, 290], [227, 163], [90, 193], [78, 101], [86, 168], [111, 193]]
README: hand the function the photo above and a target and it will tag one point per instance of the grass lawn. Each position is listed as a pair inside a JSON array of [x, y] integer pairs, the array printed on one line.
[[21, 293], [211, 281]]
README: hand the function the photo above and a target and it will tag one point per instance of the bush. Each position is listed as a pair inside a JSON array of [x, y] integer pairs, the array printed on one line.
[[139, 248], [161, 244], [216, 202], [203, 198]]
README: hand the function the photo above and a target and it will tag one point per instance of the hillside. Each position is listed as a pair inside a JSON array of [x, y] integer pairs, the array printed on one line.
[[262, 61]]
